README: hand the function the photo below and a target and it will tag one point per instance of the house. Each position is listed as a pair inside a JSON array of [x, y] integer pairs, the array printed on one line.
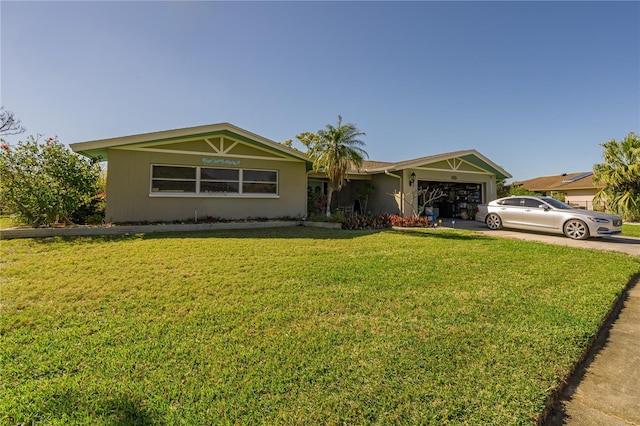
[[578, 188], [223, 171]]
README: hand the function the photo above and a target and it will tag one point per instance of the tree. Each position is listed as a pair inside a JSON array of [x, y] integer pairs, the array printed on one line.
[[502, 189], [518, 190], [9, 125], [44, 183], [619, 176], [334, 150]]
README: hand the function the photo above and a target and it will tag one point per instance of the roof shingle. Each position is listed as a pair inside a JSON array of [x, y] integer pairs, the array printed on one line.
[[563, 182]]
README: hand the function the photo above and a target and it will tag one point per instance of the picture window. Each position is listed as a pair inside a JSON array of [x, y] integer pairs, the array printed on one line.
[[209, 180]]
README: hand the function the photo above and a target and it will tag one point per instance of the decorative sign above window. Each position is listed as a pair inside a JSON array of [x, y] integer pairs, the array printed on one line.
[[223, 161]]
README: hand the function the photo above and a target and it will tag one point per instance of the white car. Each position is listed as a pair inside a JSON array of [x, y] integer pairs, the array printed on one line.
[[547, 214]]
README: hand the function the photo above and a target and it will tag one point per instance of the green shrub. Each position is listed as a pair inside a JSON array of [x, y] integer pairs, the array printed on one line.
[[44, 183], [366, 222]]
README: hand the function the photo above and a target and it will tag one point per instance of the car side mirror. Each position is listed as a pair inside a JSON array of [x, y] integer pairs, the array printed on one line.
[[543, 207]]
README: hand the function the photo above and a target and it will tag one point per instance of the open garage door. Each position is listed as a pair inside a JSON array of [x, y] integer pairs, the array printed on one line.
[[450, 199]]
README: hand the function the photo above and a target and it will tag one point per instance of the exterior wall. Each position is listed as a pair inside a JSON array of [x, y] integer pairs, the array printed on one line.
[[129, 199], [582, 198], [386, 197]]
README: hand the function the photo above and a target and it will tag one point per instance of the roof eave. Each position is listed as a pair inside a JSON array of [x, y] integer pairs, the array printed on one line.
[[99, 148]]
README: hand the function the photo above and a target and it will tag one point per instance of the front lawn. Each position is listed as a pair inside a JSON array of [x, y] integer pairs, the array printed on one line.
[[295, 326], [7, 221], [631, 230]]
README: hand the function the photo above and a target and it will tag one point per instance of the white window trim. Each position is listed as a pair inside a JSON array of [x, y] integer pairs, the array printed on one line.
[[197, 194]]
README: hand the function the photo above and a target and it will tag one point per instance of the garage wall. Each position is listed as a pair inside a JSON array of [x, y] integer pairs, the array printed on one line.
[[128, 198]]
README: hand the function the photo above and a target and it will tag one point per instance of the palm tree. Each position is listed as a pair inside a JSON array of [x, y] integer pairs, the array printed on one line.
[[620, 176], [335, 151]]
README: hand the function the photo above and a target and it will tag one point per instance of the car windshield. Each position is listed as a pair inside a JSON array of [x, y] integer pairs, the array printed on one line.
[[556, 204]]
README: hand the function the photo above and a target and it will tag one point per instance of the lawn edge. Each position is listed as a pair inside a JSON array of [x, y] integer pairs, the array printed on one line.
[[554, 411]]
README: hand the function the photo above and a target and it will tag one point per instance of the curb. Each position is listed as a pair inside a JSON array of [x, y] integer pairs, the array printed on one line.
[[13, 233]]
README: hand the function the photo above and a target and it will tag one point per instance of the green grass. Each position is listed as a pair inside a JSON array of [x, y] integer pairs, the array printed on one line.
[[295, 326], [8, 222], [631, 230]]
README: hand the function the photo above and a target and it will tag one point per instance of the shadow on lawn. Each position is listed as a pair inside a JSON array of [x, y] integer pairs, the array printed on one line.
[[115, 410], [124, 411], [295, 232], [441, 234], [319, 234]]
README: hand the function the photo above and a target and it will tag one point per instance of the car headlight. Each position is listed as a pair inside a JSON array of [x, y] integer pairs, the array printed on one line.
[[598, 219]]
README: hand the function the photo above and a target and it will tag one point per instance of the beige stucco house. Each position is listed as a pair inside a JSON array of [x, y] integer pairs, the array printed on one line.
[[223, 171], [578, 188]]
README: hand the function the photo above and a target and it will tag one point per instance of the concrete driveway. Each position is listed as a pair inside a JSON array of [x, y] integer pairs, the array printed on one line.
[[619, 243]]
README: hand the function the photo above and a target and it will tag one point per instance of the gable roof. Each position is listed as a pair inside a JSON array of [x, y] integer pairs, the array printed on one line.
[[98, 149], [563, 182], [470, 156], [370, 165]]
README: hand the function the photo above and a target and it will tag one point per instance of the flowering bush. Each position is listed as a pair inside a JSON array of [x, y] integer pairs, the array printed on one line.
[[366, 222], [44, 183], [411, 221]]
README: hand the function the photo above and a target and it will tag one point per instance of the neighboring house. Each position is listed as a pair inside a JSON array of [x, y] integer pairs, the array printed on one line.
[[223, 171], [578, 188]]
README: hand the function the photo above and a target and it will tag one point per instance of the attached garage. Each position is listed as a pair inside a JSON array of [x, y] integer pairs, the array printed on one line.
[[448, 184]]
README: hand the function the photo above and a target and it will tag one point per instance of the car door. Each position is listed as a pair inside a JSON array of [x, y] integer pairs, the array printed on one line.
[[536, 217], [511, 211]]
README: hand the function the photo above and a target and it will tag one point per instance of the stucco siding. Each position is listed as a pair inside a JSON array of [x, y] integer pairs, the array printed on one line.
[[129, 198], [582, 198], [385, 198]]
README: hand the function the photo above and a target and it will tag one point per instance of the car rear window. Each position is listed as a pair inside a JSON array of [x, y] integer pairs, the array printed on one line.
[[512, 202]]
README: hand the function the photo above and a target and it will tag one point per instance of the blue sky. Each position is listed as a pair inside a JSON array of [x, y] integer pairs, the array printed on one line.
[[534, 86]]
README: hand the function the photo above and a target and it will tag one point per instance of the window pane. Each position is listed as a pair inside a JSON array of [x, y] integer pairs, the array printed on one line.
[[173, 172], [219, 174], [218, 187], [173, 186], [260, 188], [260, 176], [512, 202]]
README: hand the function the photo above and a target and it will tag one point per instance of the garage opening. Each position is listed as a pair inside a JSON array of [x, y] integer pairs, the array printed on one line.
[[449, 199]]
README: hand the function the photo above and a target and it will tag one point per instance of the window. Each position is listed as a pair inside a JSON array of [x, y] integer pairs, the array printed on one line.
[[173, 179], [219, 180], [512, 202], [259, 182], [532, 202], [213, 181]]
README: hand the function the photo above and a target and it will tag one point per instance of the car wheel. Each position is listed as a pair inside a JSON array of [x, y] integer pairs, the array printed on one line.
[[576, 229], [493, 221]]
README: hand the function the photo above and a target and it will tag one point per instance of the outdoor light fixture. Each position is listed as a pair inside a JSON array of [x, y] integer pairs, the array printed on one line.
[[412, 178]]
